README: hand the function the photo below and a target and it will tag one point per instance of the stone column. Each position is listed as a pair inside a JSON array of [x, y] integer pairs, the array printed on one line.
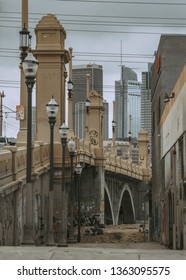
[[52, 56]]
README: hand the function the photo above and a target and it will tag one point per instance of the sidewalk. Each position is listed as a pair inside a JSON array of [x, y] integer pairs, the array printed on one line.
[[143, 251]]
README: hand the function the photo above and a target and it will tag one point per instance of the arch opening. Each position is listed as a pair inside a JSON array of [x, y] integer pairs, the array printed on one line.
[[126, 211], [108, 211]]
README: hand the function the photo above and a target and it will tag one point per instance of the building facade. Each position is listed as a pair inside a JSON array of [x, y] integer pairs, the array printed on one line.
[[146, 104], [80, 121], [169, 62], [127, 104], [146, 100], [79, 77]]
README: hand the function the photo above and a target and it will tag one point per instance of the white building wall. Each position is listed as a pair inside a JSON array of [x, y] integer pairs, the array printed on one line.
[[174, 125]]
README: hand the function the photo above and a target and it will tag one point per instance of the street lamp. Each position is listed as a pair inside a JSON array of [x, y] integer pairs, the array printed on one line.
[[52, 110], [30, 67], [113, 126], [87, 104], [71, 148], [113, 136], [63, 131], [70, 88], [24, 42], [78, 170]]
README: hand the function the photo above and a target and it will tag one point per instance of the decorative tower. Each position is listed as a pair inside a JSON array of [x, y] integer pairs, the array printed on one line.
[[95, 121], [143, 153], [52, 56]]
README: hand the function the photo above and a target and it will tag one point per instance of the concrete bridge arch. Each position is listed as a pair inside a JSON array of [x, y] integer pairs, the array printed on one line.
[[109, 213], [126, 210], [120, 201]]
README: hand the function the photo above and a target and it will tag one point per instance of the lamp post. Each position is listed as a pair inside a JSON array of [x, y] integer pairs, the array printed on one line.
[[70, 88], [2, 95], [52, 110], [71, 148], [63, 131], [130, 138], [30, 67], [87, 104], [24, 42], [113, 136], [78, 173]]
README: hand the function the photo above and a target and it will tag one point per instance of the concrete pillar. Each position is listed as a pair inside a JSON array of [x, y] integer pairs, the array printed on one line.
[[52, 56], [143, 154], [143, 141]]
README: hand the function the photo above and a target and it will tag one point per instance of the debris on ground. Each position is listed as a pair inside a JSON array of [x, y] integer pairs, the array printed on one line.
[[113, 234]]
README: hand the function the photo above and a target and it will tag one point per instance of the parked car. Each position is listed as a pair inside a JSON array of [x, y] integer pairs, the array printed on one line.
[[3, 140], [7, 141], [11, 141]]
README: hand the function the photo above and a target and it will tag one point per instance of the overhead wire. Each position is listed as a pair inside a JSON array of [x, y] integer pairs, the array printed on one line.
[[126, 2]]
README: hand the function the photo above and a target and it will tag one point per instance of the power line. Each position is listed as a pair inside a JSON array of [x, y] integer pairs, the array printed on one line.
[[110, 23], [12, 111], [96, 54], [100, 16], [101, 31], [126, 2]]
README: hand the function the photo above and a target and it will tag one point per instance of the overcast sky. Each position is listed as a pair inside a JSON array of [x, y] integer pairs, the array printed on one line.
[[97, 27]]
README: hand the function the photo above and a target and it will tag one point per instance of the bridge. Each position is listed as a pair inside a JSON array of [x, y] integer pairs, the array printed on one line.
[[110, 186]]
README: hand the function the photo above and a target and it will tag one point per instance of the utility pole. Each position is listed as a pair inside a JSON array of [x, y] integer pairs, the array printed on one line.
[[2, 95], [22, 134]]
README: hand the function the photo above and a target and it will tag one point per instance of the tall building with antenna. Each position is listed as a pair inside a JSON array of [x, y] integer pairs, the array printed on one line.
[[127, 104]]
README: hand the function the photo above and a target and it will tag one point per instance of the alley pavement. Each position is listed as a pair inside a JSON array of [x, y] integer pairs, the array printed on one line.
[[148, 251]]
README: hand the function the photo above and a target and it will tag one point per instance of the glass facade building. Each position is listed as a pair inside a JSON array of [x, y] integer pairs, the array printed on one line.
[[79, 78], [127, 104]]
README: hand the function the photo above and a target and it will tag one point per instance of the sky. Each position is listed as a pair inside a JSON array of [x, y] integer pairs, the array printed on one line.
[[109, 33]]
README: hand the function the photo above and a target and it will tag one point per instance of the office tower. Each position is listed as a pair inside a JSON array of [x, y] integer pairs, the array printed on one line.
[[146, 100], [127, 104], [105, 120], [80, 115], [79, 74]]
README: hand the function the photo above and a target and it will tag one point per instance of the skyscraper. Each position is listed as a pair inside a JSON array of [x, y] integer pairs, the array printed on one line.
[[146, 100], [127, 104], [79, 74], [80, 115]]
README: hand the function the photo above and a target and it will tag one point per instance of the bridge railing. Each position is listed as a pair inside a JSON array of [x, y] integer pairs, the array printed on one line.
[[13, 162], [118, 165], [85, 152]]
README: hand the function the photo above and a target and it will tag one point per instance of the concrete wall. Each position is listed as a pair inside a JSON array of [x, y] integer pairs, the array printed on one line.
[[173, 152], [168, 64], [13, 191]]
